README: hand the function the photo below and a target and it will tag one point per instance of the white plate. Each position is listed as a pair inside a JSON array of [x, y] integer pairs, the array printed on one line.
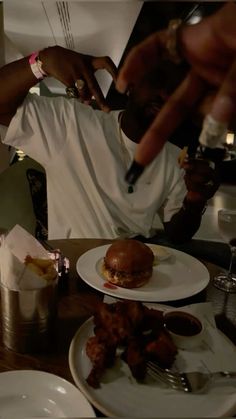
[[121, 396], [179, 277], [29, 393]]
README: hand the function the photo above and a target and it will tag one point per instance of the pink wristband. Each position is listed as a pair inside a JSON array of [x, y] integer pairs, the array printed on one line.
[[36, 66]]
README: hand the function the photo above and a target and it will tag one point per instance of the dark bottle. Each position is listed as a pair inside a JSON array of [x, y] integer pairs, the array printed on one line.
[[216, 155]]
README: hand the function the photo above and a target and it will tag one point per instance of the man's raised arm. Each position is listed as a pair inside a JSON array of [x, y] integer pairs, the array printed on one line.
[[63, 64]]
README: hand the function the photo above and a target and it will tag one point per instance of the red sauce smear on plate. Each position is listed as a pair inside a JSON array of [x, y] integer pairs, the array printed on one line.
[[110, 286]]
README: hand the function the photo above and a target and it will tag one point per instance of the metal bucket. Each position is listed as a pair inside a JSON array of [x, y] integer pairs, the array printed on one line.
[[28, 318]]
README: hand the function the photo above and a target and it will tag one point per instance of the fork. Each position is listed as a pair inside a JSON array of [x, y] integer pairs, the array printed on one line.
[[189, 381]]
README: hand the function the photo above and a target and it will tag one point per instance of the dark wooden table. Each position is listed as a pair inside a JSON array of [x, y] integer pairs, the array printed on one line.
[[77, 302]]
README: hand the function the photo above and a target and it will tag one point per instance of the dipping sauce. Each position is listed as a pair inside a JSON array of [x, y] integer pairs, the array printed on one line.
[[182, 323]]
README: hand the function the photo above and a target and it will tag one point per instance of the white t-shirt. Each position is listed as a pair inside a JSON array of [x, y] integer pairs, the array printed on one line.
[[80, 149]]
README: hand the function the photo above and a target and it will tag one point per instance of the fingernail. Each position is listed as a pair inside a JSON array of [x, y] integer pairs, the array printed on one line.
[[134, 173], [222, 109]]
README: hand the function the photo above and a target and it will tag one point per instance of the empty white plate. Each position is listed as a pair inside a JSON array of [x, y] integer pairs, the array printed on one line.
[[30, 393]]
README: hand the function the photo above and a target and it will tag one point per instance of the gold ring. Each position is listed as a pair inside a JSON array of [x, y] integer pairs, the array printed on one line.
[[72, 92], [80, 83], [172, 40]]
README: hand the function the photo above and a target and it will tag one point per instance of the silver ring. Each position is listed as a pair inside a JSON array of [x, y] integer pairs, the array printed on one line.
[[209, 183], [72, 92], [80, 83]]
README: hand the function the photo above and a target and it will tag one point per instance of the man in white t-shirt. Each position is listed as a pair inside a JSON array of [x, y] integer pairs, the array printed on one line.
[[87, 152]]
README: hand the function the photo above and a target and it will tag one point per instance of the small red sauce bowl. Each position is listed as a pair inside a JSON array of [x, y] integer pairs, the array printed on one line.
[[185, 329]]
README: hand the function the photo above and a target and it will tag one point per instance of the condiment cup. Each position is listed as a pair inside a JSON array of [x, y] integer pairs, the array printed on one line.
[[185, 328]]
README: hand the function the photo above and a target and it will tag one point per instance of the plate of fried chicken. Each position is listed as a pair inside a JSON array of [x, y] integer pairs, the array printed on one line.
[[108, 357]]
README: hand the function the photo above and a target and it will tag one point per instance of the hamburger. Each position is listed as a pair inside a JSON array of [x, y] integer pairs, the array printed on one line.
[[128, 263]]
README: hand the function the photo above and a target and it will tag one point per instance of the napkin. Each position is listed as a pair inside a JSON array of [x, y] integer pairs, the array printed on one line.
[[15, 246]]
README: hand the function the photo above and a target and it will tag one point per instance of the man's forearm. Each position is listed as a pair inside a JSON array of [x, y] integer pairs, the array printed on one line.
[[185, 223], [16, 79]]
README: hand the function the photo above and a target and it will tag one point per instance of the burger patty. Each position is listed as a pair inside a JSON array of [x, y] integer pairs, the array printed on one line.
[[123, 274], [126, 279]]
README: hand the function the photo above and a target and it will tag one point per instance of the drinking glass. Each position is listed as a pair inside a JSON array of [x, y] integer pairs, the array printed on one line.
[[227, 228]]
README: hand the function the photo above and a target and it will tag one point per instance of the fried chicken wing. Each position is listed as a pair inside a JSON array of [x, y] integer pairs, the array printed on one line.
[[153, 319], [135, 328], [162, 349], [117, 324], [134, 357], [102, 356]]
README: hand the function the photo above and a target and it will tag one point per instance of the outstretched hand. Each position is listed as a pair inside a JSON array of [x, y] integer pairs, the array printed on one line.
[[209, 48], [69, 67]]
